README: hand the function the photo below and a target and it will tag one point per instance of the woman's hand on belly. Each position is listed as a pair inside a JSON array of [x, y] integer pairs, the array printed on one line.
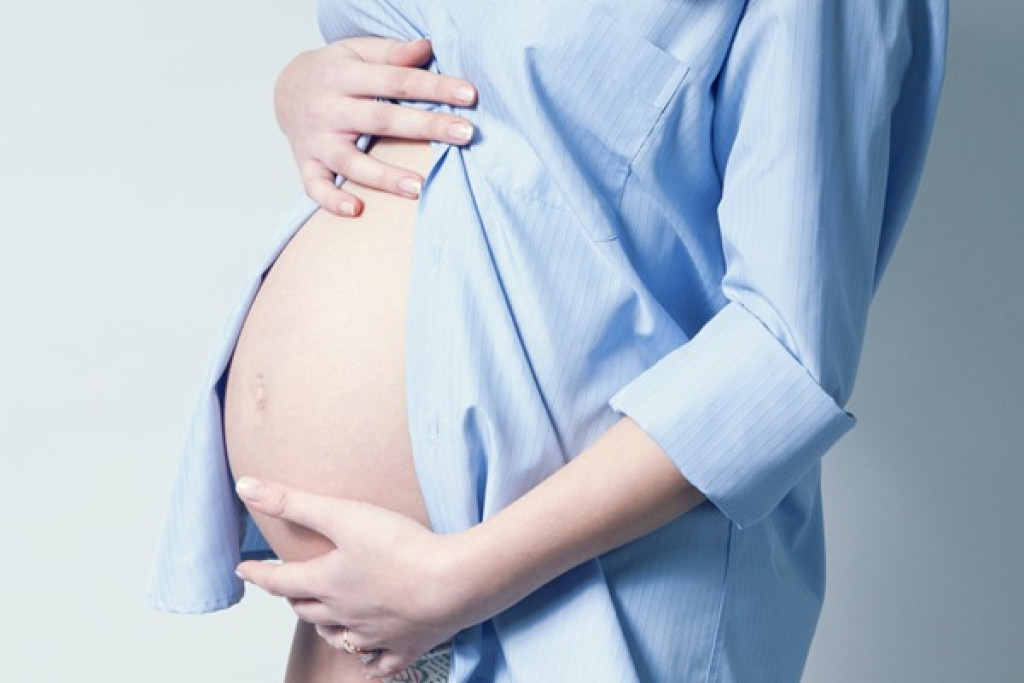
[[403, 589], [323, 101], [387, 578]]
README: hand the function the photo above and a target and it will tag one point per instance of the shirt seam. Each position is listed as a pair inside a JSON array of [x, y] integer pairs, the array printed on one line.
[[684, 72], [713, 674]]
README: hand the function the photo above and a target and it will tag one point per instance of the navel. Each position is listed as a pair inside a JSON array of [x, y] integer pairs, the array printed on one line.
[[261, 391]]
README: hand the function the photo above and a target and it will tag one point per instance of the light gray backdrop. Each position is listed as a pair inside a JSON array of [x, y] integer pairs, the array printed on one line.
[[141, 176]]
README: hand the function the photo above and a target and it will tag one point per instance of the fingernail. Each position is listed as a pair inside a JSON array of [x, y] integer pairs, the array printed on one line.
[[240, 575], [411, 186], [464, 93], [249, 488], [348, 208], [461, 131]]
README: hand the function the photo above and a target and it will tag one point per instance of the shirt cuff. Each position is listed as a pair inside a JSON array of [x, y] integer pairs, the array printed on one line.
[[739, 415]]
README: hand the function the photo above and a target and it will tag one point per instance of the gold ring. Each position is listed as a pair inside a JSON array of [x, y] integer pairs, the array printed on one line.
[[349, 647]]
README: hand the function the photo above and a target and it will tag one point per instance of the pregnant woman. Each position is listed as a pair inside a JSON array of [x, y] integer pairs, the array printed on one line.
[[557, 413]]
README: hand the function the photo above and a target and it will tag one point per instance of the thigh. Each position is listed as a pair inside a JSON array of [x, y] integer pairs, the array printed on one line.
[[312, 660]]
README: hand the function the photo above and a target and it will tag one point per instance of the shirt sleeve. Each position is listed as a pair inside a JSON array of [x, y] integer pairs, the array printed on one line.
[[823, 111]]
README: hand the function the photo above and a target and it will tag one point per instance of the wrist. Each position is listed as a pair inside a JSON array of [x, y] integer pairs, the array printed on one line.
[[488, 569], [478, 574], [468, 589]]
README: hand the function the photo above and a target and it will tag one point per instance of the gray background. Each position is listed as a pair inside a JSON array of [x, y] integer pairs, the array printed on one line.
[[141, 176]]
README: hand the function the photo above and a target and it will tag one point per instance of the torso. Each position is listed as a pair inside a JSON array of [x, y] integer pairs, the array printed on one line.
[[315, 395]]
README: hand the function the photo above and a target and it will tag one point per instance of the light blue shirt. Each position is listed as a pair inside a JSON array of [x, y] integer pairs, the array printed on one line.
[[675, 211]]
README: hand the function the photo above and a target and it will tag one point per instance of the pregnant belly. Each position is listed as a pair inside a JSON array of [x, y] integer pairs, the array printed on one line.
[[315, 394]]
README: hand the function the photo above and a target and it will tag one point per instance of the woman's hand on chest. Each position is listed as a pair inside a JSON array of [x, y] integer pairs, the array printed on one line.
[[325, 98]]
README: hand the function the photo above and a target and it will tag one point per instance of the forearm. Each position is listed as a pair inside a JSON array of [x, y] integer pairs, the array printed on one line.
[[621, 487]]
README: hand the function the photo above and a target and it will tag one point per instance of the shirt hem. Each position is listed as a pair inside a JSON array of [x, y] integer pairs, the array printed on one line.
[[203, 607]]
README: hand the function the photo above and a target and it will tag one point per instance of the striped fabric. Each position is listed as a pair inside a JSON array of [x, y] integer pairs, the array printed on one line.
[[674, 210]]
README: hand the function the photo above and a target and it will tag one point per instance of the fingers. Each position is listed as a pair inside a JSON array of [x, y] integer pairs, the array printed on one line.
[[288, 579], [372, 172], [312, 611], [388, 70], [388, 664], [345, 159], [405, 83], [397, 121], [336, 635], [410, 53], [378, 662], [318, 181], [380, 50], [326, 97], [310, 510], [332, 634], [360, 168]]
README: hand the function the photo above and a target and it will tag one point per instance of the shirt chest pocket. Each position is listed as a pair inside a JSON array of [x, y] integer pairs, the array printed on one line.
[[575, 94]]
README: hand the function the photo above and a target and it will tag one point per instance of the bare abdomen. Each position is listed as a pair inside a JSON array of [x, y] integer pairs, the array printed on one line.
[[315, 395]]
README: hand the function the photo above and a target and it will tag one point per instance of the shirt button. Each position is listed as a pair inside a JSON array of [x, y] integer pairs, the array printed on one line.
[[433, 431]]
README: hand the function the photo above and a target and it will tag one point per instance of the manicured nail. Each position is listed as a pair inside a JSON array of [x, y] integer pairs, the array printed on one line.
[[410, 186], [464, 93], [240, 575], [461, 131], [249, 488], [348, 208]]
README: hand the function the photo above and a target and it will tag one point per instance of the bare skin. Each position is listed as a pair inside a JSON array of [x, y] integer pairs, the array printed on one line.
[[316, 388]]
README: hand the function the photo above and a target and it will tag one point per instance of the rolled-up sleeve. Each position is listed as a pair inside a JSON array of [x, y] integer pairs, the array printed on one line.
[[823, 111]]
